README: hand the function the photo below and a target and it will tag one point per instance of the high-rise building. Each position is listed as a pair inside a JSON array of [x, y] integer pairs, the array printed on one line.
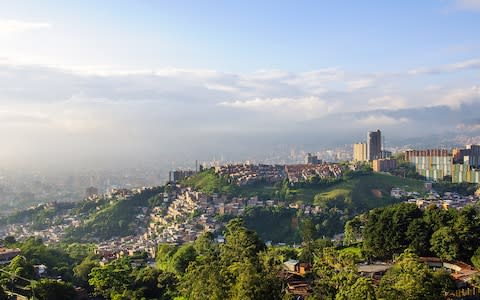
[[374, 145], [312, 159], [360, 152]]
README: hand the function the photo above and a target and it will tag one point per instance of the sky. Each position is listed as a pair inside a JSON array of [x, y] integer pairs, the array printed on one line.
[[86, 83]]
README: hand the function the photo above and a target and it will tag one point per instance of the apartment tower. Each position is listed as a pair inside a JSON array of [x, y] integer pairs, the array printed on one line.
[[374, 145]]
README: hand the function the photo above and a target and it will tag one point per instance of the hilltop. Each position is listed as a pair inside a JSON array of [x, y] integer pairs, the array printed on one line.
[[365, 189], [327, 204]]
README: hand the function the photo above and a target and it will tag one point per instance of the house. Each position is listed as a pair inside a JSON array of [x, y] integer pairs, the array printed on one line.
[[291, 265], [295, 266], [6, 255], [374, 271]]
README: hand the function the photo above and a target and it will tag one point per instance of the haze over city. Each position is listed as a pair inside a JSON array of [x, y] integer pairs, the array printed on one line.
[[146, 83]]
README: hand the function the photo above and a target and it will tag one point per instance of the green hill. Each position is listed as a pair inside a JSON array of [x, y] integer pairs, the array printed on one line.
[[367, 189], [355, 193], [358, 193], [116, 218], [209, 182]]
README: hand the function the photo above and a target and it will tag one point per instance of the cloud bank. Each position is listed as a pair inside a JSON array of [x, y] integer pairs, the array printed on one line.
[[103, 115]]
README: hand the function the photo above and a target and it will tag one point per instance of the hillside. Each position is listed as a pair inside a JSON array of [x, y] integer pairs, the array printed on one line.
[[115, 218], [209, 182], [360, 193], [338, 202], [366, 189]]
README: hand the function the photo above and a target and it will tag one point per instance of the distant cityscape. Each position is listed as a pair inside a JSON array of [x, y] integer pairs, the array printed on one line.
[[20, 190]]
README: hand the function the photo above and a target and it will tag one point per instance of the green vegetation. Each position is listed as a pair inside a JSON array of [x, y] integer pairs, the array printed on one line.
[[59, 263], [360, 189], [209, 182], [120, 280], [115, 219], [230, 271], [410, 279], [448, 234], [354, 251], [274, 224], [243, 267], [48, 289], [340, 199], [365, 192], [463, 188], [41, 216]]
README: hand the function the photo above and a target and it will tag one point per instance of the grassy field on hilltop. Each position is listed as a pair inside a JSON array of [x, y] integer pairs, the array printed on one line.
[[361, 191], [209, 182], [366, 192], [362, 186]]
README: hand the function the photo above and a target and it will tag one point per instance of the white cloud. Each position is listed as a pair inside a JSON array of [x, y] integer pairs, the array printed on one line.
[[15, 26], [360, 83], [387, 102], [473, 5], [455, 98], [289, 108], [381, 120], [449, 68]]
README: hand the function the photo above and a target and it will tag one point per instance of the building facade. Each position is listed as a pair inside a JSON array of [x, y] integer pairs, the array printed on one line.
[[433, 164], [463, 165], [360, 152], [384, 164], [374, 145], [466, 164], [312, 159]]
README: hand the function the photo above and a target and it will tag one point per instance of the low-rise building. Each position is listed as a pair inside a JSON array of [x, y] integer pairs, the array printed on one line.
[[384, 164]]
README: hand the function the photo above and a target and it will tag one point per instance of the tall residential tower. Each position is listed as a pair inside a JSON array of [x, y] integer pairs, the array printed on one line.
[[374, 145], [360, 152]]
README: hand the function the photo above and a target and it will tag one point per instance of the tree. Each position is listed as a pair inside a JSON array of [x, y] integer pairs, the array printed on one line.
[[476, 258], [82, 270], [253, 284], [9, 240], [361, 289], [232, 271], [182, 258], [418, 233], [240, 244], [352, 231], [167, 285], [21, 267], [111, 278], [411, 279], [154, 283], [337, 278], [203, 280], [467, 230], [308, 232], [444, 243], [48, 289]]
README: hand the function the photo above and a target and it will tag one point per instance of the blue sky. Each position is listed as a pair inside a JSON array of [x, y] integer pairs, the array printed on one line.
[[74, 77], [244, 36]]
